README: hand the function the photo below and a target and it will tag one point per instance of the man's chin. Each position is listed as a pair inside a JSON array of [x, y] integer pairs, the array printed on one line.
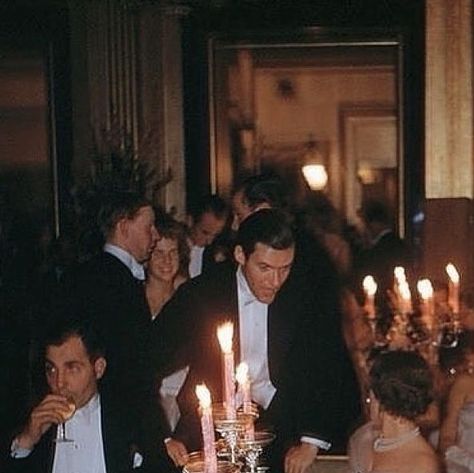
[[266, 298]]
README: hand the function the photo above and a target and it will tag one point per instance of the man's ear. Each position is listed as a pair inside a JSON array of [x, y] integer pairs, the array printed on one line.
[[122, 227], [99, 367], [239, 255]]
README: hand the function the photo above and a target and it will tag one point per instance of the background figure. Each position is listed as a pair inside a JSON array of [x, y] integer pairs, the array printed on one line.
[[108, 290], [384, 250], [166, 271], [207, 221], [168, 266], [401, 391], [321, 219], [457, 428]]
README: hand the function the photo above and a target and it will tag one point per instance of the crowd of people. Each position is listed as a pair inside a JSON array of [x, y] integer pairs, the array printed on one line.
[[121, 340]]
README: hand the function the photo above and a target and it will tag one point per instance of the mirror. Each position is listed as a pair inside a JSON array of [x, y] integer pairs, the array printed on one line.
[[330, 99]]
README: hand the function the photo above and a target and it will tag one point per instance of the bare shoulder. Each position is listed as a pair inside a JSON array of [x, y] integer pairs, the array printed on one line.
[[428, 462]]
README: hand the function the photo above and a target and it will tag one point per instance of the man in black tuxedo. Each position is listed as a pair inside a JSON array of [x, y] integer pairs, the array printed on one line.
[[101, 437], [294, 365], [385, 248], [108, 291], [207, 244]]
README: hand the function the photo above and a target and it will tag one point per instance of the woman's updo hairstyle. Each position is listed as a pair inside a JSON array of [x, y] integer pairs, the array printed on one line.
[[402, 383]]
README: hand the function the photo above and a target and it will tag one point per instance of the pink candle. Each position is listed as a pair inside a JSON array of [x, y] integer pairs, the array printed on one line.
[[207, 427], [242, 376], [370, 288], [453, 289], [224, 334]]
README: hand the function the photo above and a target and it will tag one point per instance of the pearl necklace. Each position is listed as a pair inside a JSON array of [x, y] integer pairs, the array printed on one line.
[[382, 444]]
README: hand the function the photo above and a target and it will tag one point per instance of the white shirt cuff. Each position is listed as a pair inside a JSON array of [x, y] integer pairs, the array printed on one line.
[[317, 442], [18, 452]]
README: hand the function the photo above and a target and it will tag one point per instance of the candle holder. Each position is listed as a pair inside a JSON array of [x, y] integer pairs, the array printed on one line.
[[230, 429], [251, 449], [196, 464]]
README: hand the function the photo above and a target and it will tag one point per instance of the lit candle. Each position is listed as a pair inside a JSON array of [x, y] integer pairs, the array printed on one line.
[[425, 289], [225, 333], [405, 297], [398, 279], [242, 376], [370, 288], [453, 293], [207, 427]]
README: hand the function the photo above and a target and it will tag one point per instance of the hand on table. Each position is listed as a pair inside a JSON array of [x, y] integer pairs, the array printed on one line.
[[177, 452], [299, 458]]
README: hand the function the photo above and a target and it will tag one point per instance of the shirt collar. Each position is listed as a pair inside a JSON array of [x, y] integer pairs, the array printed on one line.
[[127, 259], [244, 291], [87, 411]]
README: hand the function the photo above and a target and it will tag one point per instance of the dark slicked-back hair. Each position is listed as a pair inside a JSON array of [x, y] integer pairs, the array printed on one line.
[[212, 204], [61, 329], [118, 205], [270, 227], [402, 383], [263, 189]]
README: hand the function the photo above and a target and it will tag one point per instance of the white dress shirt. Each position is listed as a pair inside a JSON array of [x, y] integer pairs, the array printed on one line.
[[169, 390], [253, 325], [86, 452], [137, 269], [195, 260]]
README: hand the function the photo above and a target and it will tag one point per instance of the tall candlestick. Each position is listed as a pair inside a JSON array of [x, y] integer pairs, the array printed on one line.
[[370, 288], [425, 288], [453, 292], [207, 427], [225, 333], [242, 376]]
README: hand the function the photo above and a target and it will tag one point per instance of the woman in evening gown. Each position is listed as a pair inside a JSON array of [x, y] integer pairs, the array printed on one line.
[[400, 391]]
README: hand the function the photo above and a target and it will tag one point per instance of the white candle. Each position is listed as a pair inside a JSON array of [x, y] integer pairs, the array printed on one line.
[[242, 376], [405, 297], [225, 334], [370, 288], [453, 292], [425, 289], [399, 278], [207, 427]]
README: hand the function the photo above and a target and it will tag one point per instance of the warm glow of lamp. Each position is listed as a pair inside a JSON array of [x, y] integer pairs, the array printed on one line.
[[316, 176]]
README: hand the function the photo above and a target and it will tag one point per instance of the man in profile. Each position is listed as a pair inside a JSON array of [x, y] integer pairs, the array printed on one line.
[[293, 365], [109, 291], [98, 431]]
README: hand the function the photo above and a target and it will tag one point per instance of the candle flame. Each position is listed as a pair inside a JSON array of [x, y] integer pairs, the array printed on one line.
[[203, 395], [452, 273], [405, 291], [225, 333], [369, 285], [400, 274], [425, 288], [242, 373]]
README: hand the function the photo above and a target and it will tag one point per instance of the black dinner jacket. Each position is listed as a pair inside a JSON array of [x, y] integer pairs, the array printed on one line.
[[117, 440], [105, 291], [303, 363]]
